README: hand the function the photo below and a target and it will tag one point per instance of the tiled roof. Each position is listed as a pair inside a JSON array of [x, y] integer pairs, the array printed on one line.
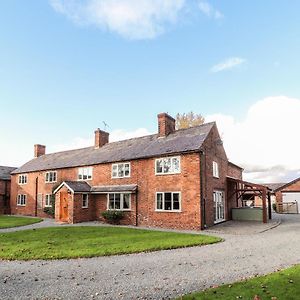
[[114, 188], [274, 186], [76, 186], [5, 172], [184, 140]]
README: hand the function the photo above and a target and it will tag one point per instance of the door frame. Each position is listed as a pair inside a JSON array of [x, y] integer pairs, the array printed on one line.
[[66, 216]]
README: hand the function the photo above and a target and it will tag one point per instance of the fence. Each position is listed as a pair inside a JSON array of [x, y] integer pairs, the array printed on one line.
[[287, 207]]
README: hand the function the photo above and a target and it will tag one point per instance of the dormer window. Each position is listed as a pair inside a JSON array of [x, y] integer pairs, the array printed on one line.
[[85, 173], [120, 170], [167, 165]]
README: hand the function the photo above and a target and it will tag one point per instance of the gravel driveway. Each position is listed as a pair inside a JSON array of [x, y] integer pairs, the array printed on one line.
[[156, 275]]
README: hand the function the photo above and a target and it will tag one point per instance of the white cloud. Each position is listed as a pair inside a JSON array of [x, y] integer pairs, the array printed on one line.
[[228, 64], [265, 143], [133, 19], [116, 135], [209, 10]]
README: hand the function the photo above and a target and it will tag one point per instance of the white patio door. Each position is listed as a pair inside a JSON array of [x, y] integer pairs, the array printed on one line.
[[219, 207]]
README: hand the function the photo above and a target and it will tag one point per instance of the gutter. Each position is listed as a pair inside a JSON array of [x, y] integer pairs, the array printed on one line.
[[36, 195], [202, 198]]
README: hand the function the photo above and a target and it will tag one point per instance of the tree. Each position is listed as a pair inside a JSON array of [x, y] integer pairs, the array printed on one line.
[[187, 120]]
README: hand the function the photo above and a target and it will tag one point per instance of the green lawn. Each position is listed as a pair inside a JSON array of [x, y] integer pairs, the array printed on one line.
[[83, 241], [11, 221], [280, 285]]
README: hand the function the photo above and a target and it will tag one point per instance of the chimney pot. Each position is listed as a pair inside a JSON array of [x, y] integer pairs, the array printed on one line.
[[39, 150], [101, 138], [166, 124]]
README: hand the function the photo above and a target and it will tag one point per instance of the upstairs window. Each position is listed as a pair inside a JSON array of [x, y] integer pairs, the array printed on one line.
[[21, 200], [85, 173], [119, 201], [85, 200], [51, 176], [120, 170], [23, 179], [167, 165], [168, 201], [215, 169]]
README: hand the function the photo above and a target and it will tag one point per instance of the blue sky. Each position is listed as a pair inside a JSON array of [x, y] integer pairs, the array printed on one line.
[[65, 69]]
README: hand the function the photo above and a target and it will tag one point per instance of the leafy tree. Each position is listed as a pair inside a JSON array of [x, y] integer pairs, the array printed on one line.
[[187, 120]]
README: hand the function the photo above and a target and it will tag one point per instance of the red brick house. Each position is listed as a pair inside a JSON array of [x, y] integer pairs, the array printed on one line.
[[288, 196], [5, 189], [175, 179]]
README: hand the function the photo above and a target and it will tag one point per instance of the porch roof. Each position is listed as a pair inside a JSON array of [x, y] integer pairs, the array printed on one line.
[[84, 187], [113, 188]]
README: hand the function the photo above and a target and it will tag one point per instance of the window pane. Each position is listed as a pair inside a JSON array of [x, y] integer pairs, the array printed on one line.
[[159, 201], [168, 201], [159, 166], [117, 201], [126, 201], [114, 171], [111, 202], [120, 170], [167, 165], [176, 205], [175, 165], [127, 170]]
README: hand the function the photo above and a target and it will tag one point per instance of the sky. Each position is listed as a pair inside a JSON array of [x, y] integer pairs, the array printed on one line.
[[67, 66]]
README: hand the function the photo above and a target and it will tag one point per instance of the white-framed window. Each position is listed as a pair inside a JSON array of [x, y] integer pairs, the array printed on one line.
[[120, 170], [119, 201], [167, 165], [85, 200], [51, 176], [21, 200], [168, 201], [215, 169], [85, 173], [22, 179], [48, 198]]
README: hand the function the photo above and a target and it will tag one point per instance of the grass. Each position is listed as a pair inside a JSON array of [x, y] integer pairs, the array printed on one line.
[[88, 241], [279, 285], [11, 221]]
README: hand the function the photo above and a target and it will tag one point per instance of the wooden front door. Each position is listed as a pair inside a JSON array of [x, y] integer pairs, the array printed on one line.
[[64, 215]]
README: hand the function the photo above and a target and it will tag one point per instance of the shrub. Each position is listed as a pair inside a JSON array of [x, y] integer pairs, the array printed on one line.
[[51, 210], [113, 216], [274, 207]]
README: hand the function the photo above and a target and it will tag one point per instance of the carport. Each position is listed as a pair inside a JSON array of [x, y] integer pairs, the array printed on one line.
[[237, 188]]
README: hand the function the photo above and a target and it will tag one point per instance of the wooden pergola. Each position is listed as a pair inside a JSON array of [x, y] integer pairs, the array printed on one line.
[[243, 187]]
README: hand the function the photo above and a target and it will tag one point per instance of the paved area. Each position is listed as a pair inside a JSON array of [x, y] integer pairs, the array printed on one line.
[[156, 275]]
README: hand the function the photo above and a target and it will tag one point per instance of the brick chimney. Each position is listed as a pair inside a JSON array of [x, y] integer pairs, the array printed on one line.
[[166, 124], [101, 138], [39, 150]]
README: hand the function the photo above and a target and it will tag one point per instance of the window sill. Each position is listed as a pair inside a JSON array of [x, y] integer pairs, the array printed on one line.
[[125, 210], [120, 177], [21, 205], [85, 207], [174, 173], [168, 211], [50, 182], [47, 206]]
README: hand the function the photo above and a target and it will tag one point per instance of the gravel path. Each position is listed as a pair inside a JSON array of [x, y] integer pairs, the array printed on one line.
[[156, 275]]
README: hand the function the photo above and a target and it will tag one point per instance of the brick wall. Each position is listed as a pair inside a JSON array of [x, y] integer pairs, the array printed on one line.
[[4, 196]]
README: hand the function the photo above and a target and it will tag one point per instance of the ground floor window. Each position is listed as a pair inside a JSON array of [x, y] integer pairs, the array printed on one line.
[[48, 198], [21, 200], [119, 201], [85, 200], [168, 201]]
